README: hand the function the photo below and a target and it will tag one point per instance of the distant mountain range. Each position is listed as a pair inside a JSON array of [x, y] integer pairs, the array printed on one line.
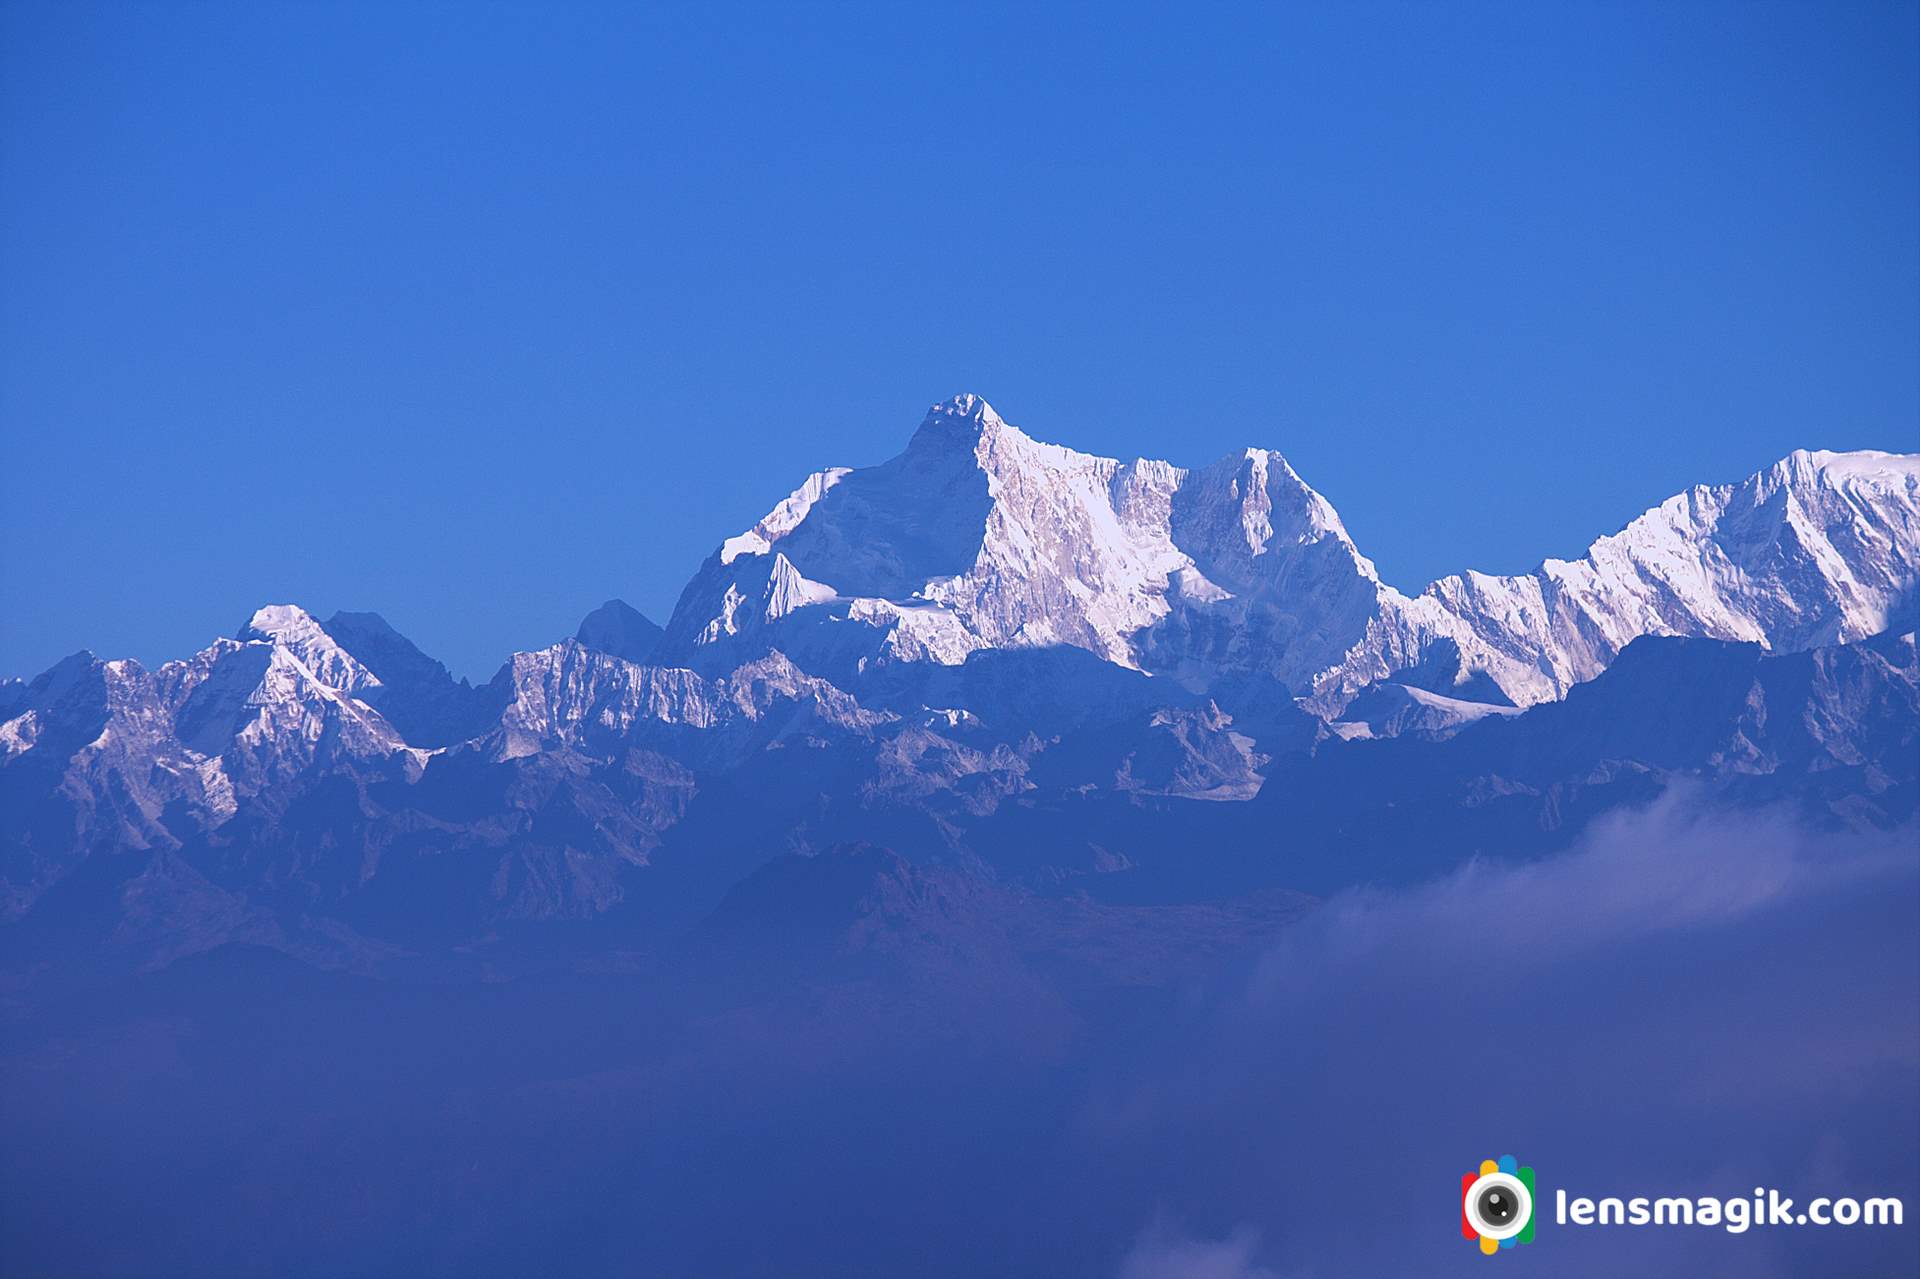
[[1002, 660], [980, 538]]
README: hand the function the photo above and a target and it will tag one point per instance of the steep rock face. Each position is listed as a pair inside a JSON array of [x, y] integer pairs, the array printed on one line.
[[297, 632], [981, 538], [1276, 584], [1192, 753], [1819, 549], [978, 537], [1007, 656], [87, 764], [570, 694], [265, 715], [231, 720], [415, 693], [108, 756], [361, 656]]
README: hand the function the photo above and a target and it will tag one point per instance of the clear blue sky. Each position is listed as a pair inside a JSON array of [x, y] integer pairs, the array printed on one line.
[[477, 316]]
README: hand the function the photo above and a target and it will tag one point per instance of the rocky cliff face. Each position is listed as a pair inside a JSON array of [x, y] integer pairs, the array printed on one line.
[[978, 537], [1821, 548], [1018, 659]]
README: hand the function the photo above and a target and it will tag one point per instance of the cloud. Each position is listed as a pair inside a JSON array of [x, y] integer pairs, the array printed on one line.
[[1686, 1001], [1163, 1252], [1672, 866]]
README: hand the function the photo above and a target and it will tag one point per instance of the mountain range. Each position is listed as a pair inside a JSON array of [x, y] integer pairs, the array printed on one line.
[[1060, 675]]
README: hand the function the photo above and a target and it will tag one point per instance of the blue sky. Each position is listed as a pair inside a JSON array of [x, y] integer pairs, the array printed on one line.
[[477, 316]]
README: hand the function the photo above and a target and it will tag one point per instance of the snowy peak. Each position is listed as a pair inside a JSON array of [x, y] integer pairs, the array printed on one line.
[[1816, 549], [965, 408], [965, 422], [280, 620], [206, 731], [363, 658], [262, 701], [297, 631], [1869, 465], [1819, 548], [910, 645], [1253, 503], [288, 687], [61, 709], [1236, 581], [979, 536]]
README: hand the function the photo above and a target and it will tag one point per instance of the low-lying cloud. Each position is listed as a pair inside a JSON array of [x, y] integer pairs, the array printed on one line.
[[1685, 1002], [1165, 1252]]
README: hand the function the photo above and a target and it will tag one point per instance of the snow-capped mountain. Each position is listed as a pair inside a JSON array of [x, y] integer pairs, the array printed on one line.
[[979, 537], [232, 719], [1012, 657], [105, 756], [1820, 548], [573, 695]]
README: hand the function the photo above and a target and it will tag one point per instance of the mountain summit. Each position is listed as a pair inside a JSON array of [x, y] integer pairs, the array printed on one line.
[[992, 653], [979, 537], [619, 628]]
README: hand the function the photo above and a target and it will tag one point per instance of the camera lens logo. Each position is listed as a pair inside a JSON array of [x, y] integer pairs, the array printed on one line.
[[1496, 1204]]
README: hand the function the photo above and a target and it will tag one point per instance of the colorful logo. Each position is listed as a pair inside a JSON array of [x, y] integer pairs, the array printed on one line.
[[1496, 1204]]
